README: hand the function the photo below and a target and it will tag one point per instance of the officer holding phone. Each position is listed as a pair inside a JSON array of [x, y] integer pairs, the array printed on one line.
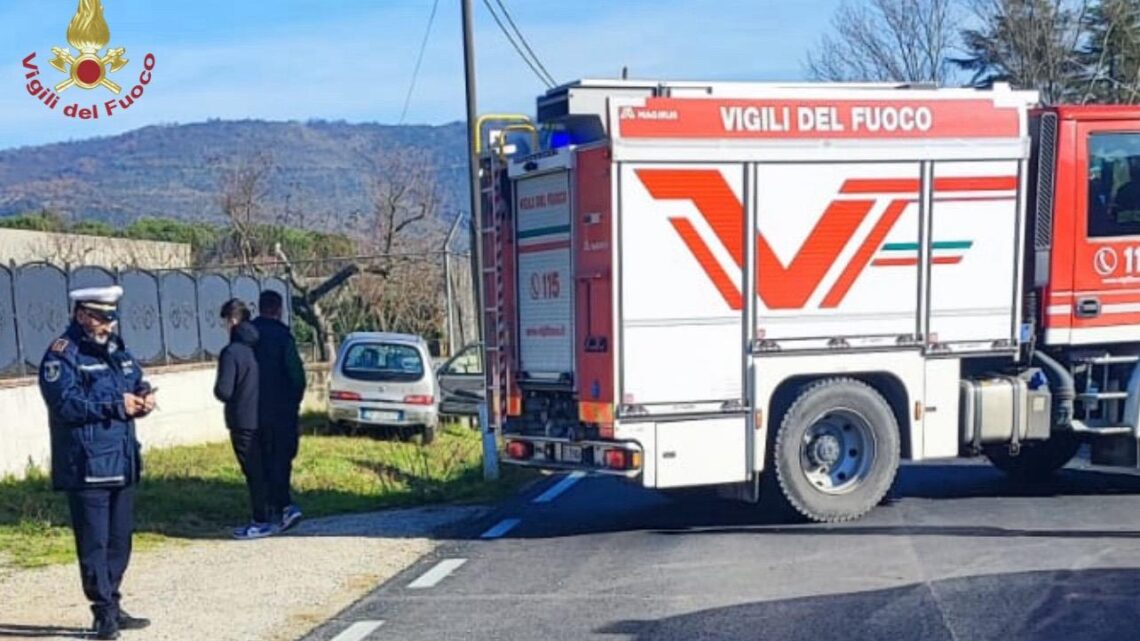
[[94, 389]]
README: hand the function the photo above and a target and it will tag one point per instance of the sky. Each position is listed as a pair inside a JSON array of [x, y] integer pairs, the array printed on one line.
[[352, 60]]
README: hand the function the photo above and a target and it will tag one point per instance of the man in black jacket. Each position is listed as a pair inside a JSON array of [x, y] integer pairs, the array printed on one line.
[[237, 386], [281, 390]]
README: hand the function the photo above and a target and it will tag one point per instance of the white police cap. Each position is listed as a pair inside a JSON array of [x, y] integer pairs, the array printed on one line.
[[104, 295], [102, 300]]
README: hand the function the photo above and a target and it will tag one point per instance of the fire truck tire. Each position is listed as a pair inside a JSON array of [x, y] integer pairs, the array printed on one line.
[[836, 452], [1037, 459]]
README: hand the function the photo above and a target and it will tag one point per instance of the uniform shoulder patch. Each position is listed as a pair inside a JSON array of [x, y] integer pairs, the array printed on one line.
[[59, 345], [51, 371]]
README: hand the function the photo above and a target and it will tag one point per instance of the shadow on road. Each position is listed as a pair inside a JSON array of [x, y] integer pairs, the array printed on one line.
[[1090, 605], [613, 506], [10, 631], [958, 481]]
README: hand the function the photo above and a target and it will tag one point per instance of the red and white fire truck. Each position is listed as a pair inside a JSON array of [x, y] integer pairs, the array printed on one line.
[[752, 285]]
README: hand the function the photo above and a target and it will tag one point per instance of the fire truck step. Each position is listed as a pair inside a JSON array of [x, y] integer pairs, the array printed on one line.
[[1109, 359], [1108, 430], [1102, 396]]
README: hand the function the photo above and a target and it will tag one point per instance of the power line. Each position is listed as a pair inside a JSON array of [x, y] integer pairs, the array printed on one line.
[[419, 59], [514, 44], [538, 62]]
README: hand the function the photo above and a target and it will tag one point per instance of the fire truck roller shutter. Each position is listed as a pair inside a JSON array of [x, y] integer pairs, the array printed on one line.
[[836, 451]]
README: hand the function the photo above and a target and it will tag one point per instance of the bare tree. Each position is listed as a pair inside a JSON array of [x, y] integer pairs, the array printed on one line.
[[396, 289], [404, 199], [888, 41], [242, 190]]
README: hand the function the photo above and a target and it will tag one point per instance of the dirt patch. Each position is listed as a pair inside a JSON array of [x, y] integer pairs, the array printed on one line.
[[268, 590]]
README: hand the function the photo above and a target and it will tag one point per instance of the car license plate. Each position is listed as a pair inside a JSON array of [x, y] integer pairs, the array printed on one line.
[[571, 454], [379, 415]]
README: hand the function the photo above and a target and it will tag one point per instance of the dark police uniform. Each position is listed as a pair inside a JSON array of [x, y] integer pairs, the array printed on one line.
[[95, 455]]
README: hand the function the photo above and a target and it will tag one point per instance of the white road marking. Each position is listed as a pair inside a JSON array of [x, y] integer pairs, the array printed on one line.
[[358, 631], [437, 573], [504, 526], [560, 487]]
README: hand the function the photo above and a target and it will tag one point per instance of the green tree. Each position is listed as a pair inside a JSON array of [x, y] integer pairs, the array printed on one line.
[[45, 220], [93, 228], [1111, 53], [203, 238], [1030, 44]]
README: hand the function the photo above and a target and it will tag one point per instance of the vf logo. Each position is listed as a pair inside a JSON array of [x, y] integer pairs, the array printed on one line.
[[1106, 261]]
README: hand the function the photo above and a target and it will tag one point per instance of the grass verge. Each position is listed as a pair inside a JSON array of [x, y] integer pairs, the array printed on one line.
[[199, 492]]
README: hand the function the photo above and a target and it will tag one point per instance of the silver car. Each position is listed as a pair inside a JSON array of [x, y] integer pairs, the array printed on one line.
[[385, 380]]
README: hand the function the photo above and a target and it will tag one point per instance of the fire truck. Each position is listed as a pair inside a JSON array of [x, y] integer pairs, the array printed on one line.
[[787, 289]]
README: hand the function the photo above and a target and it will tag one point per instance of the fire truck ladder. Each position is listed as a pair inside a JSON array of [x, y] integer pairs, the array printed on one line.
[[495, 318], [494, 228]]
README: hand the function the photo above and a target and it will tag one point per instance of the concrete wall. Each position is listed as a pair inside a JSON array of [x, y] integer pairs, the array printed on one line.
[[187, 414], [24, 246]]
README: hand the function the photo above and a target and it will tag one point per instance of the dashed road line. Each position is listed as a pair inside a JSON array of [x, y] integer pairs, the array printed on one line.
[[501, 528], [560, 487], [358, 631], [436, 574]]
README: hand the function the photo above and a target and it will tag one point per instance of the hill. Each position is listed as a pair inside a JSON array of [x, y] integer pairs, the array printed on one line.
[[174, 170]]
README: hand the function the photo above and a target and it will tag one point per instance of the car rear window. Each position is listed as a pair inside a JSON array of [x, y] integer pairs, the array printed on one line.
[[383, 362]]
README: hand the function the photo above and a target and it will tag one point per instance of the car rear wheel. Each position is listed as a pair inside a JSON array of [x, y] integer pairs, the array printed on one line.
[[427, 436]]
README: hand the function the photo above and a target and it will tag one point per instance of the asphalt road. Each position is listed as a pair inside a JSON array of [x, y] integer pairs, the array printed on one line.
[[959, 554]]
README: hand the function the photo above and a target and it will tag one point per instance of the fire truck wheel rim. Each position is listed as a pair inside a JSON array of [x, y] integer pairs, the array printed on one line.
[[838, 451]]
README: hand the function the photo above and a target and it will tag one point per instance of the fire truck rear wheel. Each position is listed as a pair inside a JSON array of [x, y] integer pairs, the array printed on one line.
[[837, 450], [1036, 460]]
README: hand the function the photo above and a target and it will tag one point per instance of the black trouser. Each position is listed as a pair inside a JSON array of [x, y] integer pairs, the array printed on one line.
[[280, 442], [250, 455], [103, 521]]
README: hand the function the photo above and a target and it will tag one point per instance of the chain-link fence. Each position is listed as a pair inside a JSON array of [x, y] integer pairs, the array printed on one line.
[[166, 317]]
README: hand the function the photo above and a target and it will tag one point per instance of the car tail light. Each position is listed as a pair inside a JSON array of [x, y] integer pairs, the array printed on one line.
[[519, 450], [418, 399], [338, 395], [622, 459]]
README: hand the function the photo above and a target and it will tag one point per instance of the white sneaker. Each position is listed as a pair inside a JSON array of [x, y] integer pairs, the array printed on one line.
[[254, 531]]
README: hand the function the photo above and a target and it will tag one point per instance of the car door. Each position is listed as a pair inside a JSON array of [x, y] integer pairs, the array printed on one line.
[[461, 382]]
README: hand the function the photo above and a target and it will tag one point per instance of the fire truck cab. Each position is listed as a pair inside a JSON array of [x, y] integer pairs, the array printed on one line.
[[787, 289]]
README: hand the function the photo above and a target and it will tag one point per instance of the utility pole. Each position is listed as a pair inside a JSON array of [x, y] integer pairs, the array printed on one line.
[[447, 284], [476, 223], [490, 442]]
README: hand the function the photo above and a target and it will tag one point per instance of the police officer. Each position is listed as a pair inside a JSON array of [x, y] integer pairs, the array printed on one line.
[[94, 390]]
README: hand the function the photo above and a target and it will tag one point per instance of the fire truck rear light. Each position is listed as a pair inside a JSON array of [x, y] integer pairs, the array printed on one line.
[[338, 395], [418, 399], [622, 459], [519, 450]]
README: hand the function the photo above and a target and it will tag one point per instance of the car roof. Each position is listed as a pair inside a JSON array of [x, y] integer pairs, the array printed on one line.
[[385, 337]]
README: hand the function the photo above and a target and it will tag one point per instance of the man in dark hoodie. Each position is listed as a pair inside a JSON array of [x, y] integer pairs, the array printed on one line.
[[237, 386], [281, 390]]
